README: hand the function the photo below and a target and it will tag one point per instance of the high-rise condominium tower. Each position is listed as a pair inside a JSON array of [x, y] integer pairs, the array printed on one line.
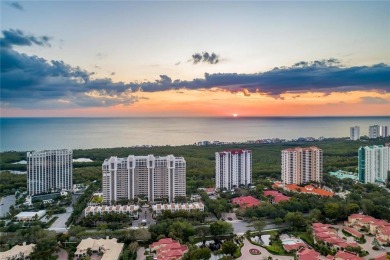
[[233, 169], [354, 133], [154, 178], [301, 165], [376, 131], [49, 171], [374, 164]]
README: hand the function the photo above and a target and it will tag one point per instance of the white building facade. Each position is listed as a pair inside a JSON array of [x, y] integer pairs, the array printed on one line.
[[302, 165], [374, 164], [150, 177], [233, 169], [49, 171], [354, 133]]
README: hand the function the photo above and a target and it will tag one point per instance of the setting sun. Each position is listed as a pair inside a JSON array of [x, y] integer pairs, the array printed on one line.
[[235, 115]]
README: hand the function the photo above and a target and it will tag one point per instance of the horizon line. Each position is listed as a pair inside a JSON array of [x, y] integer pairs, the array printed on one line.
[[185, 117]]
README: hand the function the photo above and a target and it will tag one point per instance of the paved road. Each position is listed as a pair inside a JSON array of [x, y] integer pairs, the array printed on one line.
[[140, 253], [5, 203], [62, 254], [59, 225]]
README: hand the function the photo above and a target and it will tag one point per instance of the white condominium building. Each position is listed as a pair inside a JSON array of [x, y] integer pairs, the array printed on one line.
[[373, 131], [49, 171], [154, 178], [374, 164], [376, 131], [233, 169], [302, 165], [354, 133]]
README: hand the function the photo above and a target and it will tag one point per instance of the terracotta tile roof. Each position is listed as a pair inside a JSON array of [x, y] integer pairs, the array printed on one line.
[[353, 232], [293, 247], [280, 198], [246, 202], [308, 189], [308, 254], [342, 255]]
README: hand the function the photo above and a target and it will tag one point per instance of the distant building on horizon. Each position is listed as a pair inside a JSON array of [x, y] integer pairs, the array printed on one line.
[[374, 164], [354, 133], [150, 177], [376, 131], [302, 165], [233, 168], [49, 171]]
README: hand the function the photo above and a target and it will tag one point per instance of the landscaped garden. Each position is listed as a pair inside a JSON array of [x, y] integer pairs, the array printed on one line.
[[254, 251]]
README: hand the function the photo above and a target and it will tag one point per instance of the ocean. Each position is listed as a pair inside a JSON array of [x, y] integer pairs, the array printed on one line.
[[27, 134]]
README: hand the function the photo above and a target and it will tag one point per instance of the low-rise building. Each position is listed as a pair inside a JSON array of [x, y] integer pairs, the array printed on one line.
[[18, 252], [160, 208], [130, 210], [308, 254], [310, 189], [378, 227], [109, 248], [168, 249], [328, 235], [246, 202], [276, 196], [353, 232], [29, 216], [291, 243], [343, 255]]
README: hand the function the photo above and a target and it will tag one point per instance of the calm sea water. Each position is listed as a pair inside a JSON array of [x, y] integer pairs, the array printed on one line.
[[24, 134]]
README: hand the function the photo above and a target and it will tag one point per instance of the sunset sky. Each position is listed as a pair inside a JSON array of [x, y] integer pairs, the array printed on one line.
[[117, 58]]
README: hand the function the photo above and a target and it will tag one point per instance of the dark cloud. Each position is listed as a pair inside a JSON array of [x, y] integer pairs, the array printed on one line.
[[15, 5], [31, 81], [177, 63], [211, 58], [17, 37]]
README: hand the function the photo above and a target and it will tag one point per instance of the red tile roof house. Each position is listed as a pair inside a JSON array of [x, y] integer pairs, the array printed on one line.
[[276, 196], [328, 235], [246, 202], [168, 249], [353, 232], [308, 254], [342, 255], [379, 228]]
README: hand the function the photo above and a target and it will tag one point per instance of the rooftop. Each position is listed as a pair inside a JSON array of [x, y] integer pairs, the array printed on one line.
[[110, 247], [17, 250], [246, 202]]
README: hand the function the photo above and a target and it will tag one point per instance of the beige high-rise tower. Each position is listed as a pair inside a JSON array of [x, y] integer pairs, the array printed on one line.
[[302, 165], [150, 177]]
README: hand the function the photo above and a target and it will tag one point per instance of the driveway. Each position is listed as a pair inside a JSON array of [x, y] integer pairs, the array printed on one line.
[[140, 253], [62, 254], [59, 225], [145, 214], [264, 253], [5, 203]]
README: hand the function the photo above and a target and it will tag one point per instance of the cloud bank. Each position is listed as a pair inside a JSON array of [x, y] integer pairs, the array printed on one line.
[[31, 81]]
